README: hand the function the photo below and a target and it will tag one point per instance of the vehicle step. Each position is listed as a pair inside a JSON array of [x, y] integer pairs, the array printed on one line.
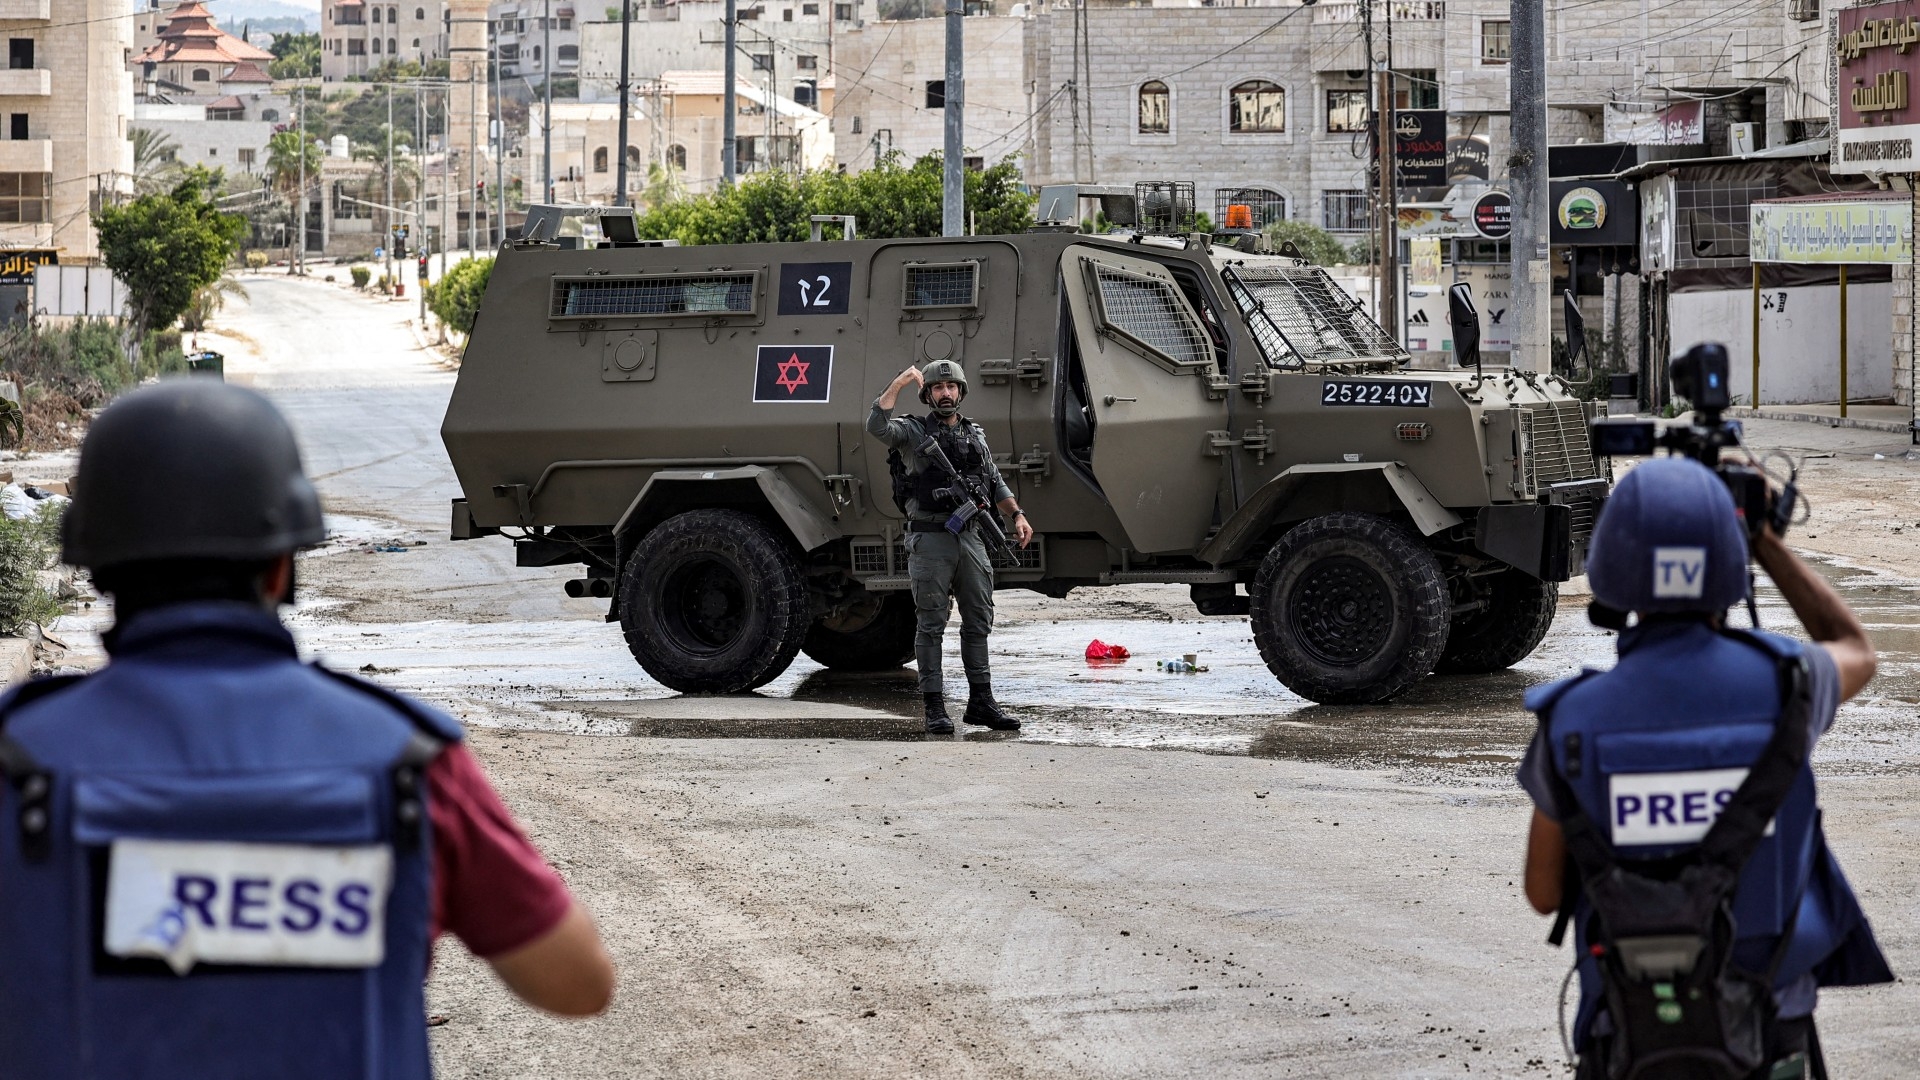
[[1171, 577]]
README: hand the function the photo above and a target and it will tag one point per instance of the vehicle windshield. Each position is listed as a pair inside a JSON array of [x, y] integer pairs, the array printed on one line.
[[1299, 315]]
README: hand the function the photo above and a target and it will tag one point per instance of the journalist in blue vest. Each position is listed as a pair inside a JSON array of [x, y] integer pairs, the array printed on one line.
[[1676, 824], [217, 861]]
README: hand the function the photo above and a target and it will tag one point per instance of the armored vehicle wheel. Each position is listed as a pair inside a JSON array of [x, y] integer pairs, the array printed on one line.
[[1518, 609], [713, 602], [1349, 608], [875, 633]]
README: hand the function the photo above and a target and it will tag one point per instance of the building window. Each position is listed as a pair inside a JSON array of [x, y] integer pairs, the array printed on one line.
[[536, 52], [1256, 106], [416, 43], [376, 46], [419, 13], [17, 127], [856, 125], [23, 197], [677, 157], [19, 53], [356, 47], [1416, 88], [393, 14], [509, 53], [762, 61], [569, 53], [1343, 211], [786, 14], [1346, 110], [1156, 108], [566, 24], [246, 158], [1496, 41], [937, 94], [600, 159], [200, 75], [392, 46], [346, 206], [806, 63], [806, 92], [633, 158], [269, 116], [376, 16], [843, 12], [809, 9]]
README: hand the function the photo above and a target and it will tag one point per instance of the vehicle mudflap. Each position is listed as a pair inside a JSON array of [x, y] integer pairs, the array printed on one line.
[[1250, 521], [1534, 537], [808, 527]]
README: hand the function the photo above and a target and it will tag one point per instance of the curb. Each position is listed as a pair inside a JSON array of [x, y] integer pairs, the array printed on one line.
[[16, 660], [1893, 426]]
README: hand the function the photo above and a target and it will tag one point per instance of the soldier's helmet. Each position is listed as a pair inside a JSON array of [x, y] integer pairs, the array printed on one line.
[[942, 371]]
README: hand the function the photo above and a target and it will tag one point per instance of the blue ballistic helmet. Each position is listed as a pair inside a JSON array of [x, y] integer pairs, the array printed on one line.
[[1669, 540]]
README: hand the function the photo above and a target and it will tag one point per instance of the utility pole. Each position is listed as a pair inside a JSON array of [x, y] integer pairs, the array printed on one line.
[[387, 214], [546, 117], [474, 95], [420, 187], [1389, 192], [953, 184], [1527, 175], [626, 84], [499, 152], [300, 249], [727, 107]]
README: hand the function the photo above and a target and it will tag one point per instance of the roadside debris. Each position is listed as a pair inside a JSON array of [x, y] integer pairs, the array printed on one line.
[[1100, 650]]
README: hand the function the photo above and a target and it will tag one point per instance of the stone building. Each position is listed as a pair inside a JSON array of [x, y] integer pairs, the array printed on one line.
[[892, 81], [357, 36], [522, 36], [67, 96], [190, 56], [785, 47]]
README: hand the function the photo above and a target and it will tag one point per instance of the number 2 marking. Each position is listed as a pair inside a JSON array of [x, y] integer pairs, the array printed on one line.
[[807, 299]]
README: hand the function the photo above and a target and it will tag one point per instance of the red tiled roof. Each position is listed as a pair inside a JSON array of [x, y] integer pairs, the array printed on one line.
[[247, 71], [190, 37], [226, 104]]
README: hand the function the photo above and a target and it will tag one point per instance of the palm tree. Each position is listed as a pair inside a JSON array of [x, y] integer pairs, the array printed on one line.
[[283, 160], [398, 167], [209, 299], [155, 161]]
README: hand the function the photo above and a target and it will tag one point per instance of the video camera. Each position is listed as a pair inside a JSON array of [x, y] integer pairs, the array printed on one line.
[[1700, 376]]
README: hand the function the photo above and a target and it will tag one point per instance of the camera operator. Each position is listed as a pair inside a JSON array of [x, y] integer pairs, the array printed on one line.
[[1631, 768]]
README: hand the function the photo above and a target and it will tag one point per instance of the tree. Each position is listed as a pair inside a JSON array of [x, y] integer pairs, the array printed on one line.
[[455, 298], [885, 201], [283, 160], [398, 166], [166, 246], [208, 300], [295, 56], [1319, 246], [663, 186], [155, 160]]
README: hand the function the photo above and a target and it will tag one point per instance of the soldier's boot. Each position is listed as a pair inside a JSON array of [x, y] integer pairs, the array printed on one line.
[[983, 711], [938, 722]]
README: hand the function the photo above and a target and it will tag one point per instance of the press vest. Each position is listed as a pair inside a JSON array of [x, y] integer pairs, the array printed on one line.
[[1653, 747], [233, 877]]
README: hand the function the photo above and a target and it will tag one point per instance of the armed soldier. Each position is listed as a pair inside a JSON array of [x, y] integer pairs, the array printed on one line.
[[936, 459]]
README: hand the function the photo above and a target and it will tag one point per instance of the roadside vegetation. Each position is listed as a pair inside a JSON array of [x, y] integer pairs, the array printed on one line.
[[28, 547], [455, 298]]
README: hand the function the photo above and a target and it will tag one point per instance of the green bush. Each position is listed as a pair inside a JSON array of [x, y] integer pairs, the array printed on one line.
[[256, 260], [455, 298], [361, 275], [26, 548], [1315, 243]]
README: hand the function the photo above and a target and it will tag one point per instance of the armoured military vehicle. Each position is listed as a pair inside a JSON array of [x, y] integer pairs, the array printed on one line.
[[687, 424]]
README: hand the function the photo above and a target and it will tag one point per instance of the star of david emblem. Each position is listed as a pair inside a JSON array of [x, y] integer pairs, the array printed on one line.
[[793, 373]]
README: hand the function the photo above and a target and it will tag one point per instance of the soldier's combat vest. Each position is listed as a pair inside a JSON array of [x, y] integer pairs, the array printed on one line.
[[1653, 749], [214, 863], [926, 488]]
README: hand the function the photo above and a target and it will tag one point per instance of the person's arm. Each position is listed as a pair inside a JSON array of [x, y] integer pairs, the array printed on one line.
[[1546, 864], [1022, 531], [1821, 610], [564, 971], [881, 424]]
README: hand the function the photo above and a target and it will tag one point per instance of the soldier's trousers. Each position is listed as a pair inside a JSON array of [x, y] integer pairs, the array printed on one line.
[[944, 567]]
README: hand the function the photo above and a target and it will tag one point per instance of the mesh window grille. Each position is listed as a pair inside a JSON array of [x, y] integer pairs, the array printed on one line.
[[1558, 444], [944, 285], [719, 294], [1315, 316], [1150, 311]]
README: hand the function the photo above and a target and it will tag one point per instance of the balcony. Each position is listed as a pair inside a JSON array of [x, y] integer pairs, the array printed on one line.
[[1336, 14], [26, 9], [26, 82], [26, 156]]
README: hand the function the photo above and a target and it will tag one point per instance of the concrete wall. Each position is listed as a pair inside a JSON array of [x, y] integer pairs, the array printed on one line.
[[216, 144], [1799, 340]]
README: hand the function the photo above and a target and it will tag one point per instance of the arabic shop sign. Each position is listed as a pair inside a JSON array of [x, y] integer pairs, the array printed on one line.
[[1832, 231], [1593, 213], [17, 267], [1676, 124], [1467, 158], [1876, 55], [1493, 215], [1420, 147]]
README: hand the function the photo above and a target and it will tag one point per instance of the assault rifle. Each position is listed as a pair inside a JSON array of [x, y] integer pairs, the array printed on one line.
[[975, 502]]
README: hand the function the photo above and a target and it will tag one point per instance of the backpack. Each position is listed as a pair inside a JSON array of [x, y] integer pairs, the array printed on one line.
[[1662, 930]]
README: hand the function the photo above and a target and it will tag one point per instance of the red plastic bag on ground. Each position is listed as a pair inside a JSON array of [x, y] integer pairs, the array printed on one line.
[[1100, 650]]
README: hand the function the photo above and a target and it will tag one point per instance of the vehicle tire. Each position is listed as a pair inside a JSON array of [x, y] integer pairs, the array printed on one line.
[[875, 633], [1518, 611], [1349, 608], [713, 602]]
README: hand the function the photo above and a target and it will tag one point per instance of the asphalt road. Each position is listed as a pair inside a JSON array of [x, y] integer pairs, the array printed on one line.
[[1161, 876]]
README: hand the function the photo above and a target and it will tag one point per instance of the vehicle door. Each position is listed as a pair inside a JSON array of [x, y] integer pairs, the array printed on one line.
[[1144, 363], [944, 301]]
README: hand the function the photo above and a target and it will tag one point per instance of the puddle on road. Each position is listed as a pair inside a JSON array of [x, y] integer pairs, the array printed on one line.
[[577, 676]]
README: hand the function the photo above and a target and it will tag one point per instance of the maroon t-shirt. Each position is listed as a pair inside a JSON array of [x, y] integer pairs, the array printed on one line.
[[491, 887]]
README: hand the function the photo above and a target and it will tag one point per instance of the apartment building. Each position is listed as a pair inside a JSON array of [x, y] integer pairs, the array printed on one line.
[[66, 96], [891, 79], [535, 38], [357, 36], [787, 48]]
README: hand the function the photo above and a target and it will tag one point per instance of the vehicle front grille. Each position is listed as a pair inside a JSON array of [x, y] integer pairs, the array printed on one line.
[[1584, 511], [870, 557], [1558, 449], [1314, 318]]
